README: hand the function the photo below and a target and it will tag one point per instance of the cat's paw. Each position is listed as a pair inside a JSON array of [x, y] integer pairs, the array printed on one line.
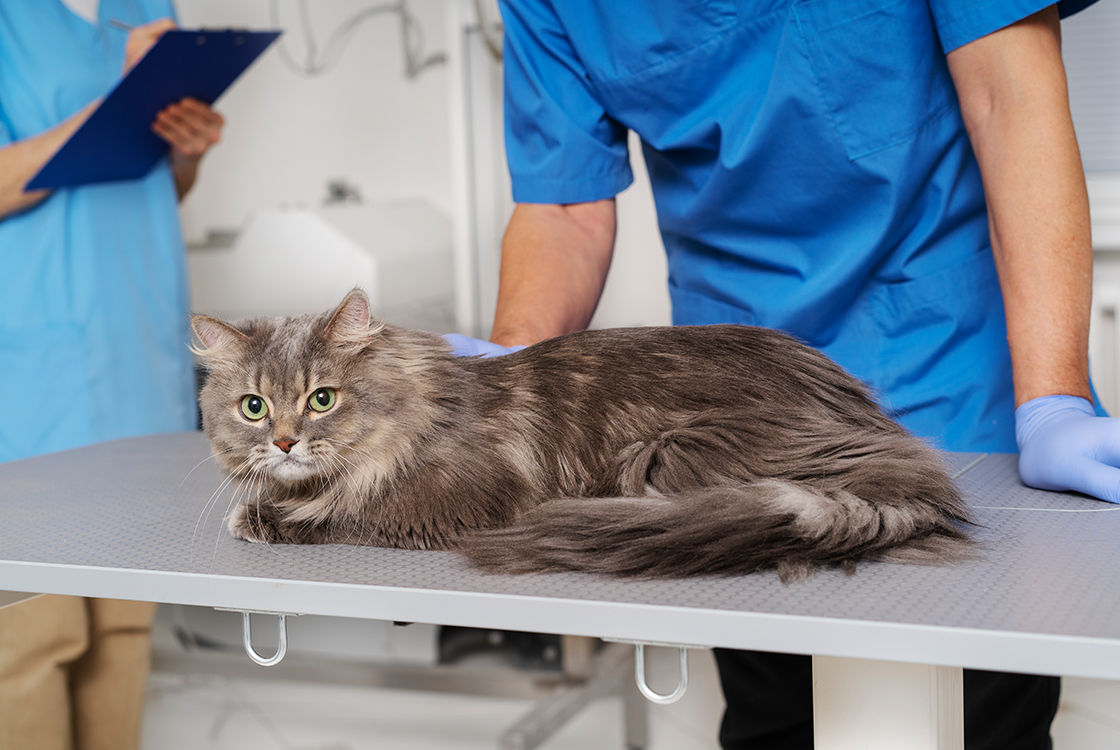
[[255, 523]]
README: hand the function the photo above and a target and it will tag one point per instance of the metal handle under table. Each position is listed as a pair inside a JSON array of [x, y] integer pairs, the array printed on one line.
[[143, 519]]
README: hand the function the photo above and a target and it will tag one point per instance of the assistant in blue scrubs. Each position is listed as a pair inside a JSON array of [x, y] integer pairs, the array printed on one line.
[[812, 172], [93, 292], [93, 342]]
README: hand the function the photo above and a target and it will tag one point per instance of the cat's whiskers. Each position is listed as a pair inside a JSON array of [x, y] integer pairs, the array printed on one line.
[[337, 473], [372, 488], [211, 457], [333, 467], [324, 471], [256, 482], [360, 452], [361, 505], [212, 502], [250, 483], [329, 460], [390, 459], [241, 491], [221, 486], [262, 479], [326, 481]]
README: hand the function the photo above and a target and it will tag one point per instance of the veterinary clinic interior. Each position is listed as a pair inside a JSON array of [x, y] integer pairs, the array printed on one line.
[[363, 144]]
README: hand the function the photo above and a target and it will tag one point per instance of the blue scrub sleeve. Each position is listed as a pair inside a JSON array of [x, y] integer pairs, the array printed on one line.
[[962, 21], [561, 145]]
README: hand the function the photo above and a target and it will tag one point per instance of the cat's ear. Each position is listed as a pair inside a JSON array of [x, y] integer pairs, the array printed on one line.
[[216, 336], [352, 323]]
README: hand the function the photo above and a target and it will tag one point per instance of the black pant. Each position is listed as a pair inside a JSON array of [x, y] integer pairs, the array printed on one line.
[[770, 705]]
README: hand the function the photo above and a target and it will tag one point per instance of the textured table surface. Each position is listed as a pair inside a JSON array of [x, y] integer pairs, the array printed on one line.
[[143, 519]]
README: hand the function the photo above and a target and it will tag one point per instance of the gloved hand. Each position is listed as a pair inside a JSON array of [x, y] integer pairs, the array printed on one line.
[[1063, 445], [465, 346]]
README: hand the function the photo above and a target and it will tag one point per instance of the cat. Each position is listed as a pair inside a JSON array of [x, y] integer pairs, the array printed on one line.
[[645, 452]]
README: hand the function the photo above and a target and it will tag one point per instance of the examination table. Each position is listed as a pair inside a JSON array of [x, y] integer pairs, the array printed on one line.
[[143, 519]]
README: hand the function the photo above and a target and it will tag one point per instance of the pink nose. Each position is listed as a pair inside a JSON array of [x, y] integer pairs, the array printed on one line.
[[285, 444]]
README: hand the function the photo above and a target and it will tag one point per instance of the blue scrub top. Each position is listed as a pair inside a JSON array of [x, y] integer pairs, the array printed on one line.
[[811, 173], [93, 295]]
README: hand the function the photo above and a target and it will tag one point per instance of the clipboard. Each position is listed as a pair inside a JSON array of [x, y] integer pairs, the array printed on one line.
[[116, 142]]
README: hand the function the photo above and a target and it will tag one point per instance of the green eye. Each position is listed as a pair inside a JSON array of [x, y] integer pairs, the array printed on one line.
[[322, 399], [254, 407]]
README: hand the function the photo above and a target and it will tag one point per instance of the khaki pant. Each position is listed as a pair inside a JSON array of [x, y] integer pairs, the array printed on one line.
[[73, 673]]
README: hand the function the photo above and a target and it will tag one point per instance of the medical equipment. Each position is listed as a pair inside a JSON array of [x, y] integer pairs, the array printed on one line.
[[290, 261]]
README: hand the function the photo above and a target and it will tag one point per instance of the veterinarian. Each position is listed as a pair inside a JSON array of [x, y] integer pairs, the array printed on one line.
[[884, 179], [93, 340]]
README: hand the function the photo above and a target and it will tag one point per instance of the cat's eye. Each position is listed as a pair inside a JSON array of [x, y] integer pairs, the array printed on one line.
[[322, 399], [254, 407]]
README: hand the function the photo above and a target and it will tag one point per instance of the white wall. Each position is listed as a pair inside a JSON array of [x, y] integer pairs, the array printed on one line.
[[362, 121], [636, 293], [1091, 49]]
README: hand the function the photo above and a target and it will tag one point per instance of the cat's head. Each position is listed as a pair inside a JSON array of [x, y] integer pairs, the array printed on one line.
[[290, 400]]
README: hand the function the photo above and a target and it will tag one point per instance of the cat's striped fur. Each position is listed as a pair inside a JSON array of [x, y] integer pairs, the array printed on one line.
[[640, 452]]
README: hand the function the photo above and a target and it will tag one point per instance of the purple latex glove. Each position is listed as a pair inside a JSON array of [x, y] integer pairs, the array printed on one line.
[[1063, 445], [465, 346]]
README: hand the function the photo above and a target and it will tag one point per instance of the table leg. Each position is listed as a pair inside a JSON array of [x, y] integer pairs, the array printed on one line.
[[878, 705], [8, 598], [635, 711], [613, 670]]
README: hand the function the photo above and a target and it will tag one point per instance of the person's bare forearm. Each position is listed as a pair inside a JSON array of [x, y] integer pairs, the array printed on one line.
[[1015, 104], [22, 160], [185, 171], [554, 264]]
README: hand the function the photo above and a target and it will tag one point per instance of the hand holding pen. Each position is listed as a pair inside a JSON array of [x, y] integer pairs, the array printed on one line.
[[141, 39]]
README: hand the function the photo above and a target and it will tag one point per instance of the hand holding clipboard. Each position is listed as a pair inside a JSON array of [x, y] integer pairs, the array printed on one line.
[[116, 142]]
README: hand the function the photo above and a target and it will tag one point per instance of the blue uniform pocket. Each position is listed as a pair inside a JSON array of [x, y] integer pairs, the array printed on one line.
[[43, 379], [879, 68], [944, 359]]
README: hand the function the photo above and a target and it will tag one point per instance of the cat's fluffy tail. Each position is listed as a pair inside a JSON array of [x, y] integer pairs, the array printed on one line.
[[768, 524]]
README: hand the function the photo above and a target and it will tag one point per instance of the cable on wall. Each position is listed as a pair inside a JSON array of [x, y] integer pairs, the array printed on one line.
[[491, 33], [317, 64]]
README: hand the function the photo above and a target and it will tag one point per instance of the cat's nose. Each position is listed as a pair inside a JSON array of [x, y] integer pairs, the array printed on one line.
[[284, 444]]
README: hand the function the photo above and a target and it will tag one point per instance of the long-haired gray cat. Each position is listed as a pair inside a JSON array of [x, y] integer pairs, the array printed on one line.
[[639, 452]]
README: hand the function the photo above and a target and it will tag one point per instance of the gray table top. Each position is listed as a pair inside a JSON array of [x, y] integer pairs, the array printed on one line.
[[143, 519]]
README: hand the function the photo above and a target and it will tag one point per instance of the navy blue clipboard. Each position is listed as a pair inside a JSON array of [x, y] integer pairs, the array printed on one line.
[[116, 142]]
